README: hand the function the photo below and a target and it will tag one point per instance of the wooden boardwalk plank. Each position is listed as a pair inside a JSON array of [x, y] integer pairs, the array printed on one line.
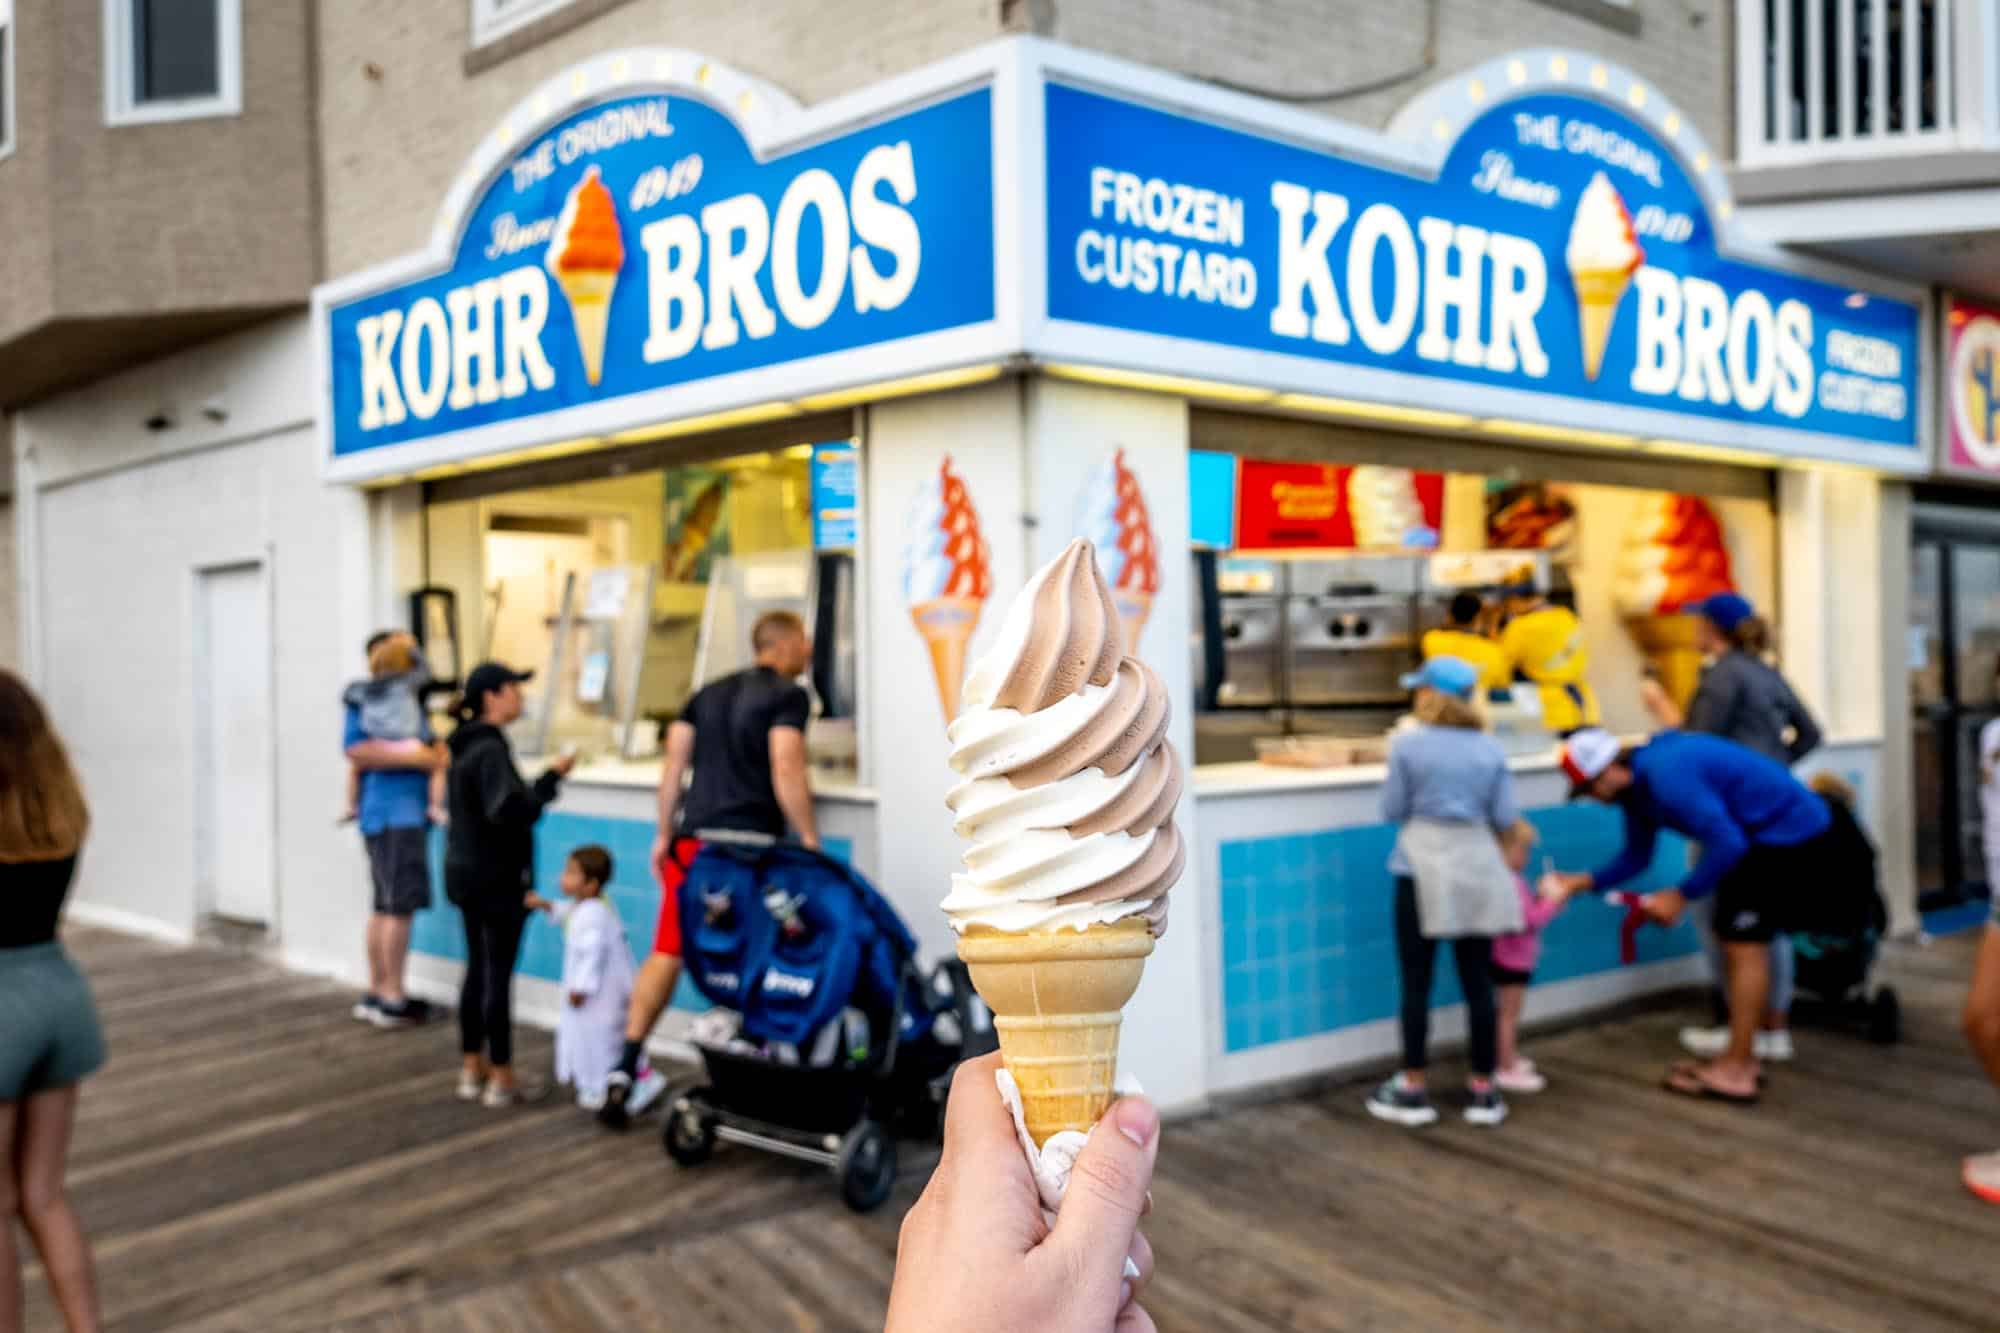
[[253, 1159]]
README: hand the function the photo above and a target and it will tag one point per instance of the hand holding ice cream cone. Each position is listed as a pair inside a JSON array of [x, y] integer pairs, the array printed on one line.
[[1068, 804]]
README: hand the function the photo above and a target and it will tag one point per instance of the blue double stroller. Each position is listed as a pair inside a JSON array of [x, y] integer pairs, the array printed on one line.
[[844, 1042]]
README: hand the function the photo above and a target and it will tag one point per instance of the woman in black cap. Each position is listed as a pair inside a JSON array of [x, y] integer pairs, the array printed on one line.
[[488, 871]]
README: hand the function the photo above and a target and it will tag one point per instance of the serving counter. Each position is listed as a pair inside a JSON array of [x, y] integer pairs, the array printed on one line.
[[1294, 902]]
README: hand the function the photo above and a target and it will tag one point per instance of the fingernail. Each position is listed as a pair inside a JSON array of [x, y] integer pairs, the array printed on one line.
[[1124, 1294], [1137, 1120]]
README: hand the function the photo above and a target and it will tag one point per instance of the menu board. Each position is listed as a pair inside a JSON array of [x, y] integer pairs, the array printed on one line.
[[1324, 506], [835, 469]]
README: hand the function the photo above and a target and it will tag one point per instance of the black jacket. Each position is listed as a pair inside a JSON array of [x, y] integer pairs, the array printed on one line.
[[490, 846]]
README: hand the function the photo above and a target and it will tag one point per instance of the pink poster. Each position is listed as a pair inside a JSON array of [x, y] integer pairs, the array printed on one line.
[[1971, 394]]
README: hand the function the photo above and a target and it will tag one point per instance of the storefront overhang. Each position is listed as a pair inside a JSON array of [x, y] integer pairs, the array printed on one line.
[[1540, 249]]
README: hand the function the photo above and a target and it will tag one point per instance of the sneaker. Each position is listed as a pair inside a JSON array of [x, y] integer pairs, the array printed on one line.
[[617, 1091], [521, 1094], [648, 1090], [1399, 1105], [364, 1008], [402, 1014], [1522, 1077], [1712, 1042], [470, 1088], [590, 1101], [1486, 1107], [1982, 1176]]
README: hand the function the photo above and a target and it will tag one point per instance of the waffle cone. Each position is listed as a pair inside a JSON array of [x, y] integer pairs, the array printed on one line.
[[589, 294], [1598, 292], [947, 624], [1669, 643], [1057, 998]]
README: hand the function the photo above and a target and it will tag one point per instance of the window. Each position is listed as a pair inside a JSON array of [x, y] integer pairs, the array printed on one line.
[[494, 19], [6, 77], [172, 59]]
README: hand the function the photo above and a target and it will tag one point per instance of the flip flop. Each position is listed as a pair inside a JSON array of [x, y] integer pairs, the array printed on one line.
[[1689, 1080]]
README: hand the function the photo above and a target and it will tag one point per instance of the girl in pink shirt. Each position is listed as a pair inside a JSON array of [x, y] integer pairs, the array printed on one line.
[[1514, 965]]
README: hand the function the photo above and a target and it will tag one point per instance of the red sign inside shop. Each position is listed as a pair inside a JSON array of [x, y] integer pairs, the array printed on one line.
[[1281, 505]]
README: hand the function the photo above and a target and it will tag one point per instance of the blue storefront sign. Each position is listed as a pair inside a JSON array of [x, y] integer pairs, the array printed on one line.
[[1561, 248], [836, 484], [639, 244]]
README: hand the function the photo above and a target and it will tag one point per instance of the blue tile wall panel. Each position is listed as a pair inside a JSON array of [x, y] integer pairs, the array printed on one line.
[[1308, 936], [440, 931]]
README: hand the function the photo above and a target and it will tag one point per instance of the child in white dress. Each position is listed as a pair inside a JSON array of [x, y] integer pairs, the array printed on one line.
[[596, 976]]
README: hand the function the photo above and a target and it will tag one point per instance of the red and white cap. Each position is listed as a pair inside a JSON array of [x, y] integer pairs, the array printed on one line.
[[1586, 754]]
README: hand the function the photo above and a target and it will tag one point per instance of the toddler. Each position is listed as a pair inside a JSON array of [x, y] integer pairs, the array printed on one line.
[[1514, 965], [596, 976], [390, 706]]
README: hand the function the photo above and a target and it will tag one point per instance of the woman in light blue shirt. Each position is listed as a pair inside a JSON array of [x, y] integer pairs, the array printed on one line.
[[1446, 769]]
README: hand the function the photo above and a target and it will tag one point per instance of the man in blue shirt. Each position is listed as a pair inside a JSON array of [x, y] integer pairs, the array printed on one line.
[[393, 811], [1767, 846]]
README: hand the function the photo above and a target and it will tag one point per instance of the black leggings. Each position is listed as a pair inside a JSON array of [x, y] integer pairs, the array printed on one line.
[[486, 999], [1415, 956]]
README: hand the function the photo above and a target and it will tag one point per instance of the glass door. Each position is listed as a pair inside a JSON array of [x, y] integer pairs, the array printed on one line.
[[1954, 656]]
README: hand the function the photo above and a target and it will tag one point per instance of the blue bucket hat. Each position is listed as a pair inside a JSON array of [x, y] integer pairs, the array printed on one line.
[[1446, 675]]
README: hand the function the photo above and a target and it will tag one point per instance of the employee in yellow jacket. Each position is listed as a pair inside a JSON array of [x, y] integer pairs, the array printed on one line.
[[1463, 638], [1544, 644]]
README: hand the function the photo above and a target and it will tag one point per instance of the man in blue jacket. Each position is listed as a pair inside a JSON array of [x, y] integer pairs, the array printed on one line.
[[1766, 846]]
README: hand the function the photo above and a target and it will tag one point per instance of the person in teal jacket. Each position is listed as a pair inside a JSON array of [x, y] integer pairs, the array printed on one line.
[[1768, 856]]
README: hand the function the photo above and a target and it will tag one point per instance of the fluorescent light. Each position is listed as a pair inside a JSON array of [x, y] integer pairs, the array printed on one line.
[[870, 393], [741, 416], [1352, 407], [1531, 430], [1710, 452], [1180, 384]]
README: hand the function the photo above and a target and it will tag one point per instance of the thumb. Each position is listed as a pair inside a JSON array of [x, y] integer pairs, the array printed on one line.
[[1106, 1195]]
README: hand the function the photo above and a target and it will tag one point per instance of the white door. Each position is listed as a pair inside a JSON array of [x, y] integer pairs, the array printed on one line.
[[235, 785]]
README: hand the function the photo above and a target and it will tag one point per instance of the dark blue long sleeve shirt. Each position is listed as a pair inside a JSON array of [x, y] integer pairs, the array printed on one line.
[[1724, 796]]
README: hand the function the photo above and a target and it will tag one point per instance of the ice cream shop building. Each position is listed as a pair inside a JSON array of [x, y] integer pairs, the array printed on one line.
[[679, 349]]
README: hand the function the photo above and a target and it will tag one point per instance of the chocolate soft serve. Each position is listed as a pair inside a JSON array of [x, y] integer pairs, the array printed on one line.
[[1070, 783]]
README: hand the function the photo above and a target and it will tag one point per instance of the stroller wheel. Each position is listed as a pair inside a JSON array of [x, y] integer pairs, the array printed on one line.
[[1885, 1017], [867, 1166], [689, 1135]]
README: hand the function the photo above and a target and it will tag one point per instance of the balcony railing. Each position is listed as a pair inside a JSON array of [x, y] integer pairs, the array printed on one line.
[[1823, 79]]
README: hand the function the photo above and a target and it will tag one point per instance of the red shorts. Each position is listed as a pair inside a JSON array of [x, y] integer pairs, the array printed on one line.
[[672, 870]]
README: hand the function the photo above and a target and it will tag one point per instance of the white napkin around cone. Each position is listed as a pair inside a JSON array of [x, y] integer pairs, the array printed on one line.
[[1053, 1162]]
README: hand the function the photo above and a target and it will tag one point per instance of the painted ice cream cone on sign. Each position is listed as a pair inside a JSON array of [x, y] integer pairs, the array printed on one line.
[[1115, 522], [945, 578], [1672, 556], [1603, 255], [585, 254], [1067, 804]]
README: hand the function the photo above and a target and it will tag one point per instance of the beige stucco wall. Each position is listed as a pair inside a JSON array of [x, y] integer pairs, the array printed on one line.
[[132, 227]]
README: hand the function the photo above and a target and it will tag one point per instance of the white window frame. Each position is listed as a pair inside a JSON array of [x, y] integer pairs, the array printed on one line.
[[120, 108], [494, 19], [9, 99]]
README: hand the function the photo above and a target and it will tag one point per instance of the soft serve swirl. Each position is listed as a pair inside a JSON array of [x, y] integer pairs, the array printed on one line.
[[1069, 782]]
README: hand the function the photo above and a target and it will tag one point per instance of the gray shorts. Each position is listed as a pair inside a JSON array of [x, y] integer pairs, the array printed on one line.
[[49, 1037], [399, 861]]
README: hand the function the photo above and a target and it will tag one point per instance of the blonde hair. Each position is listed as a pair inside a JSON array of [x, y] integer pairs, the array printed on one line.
[[395, 654], [1437, 709], [42, 812], [1520, 833]]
